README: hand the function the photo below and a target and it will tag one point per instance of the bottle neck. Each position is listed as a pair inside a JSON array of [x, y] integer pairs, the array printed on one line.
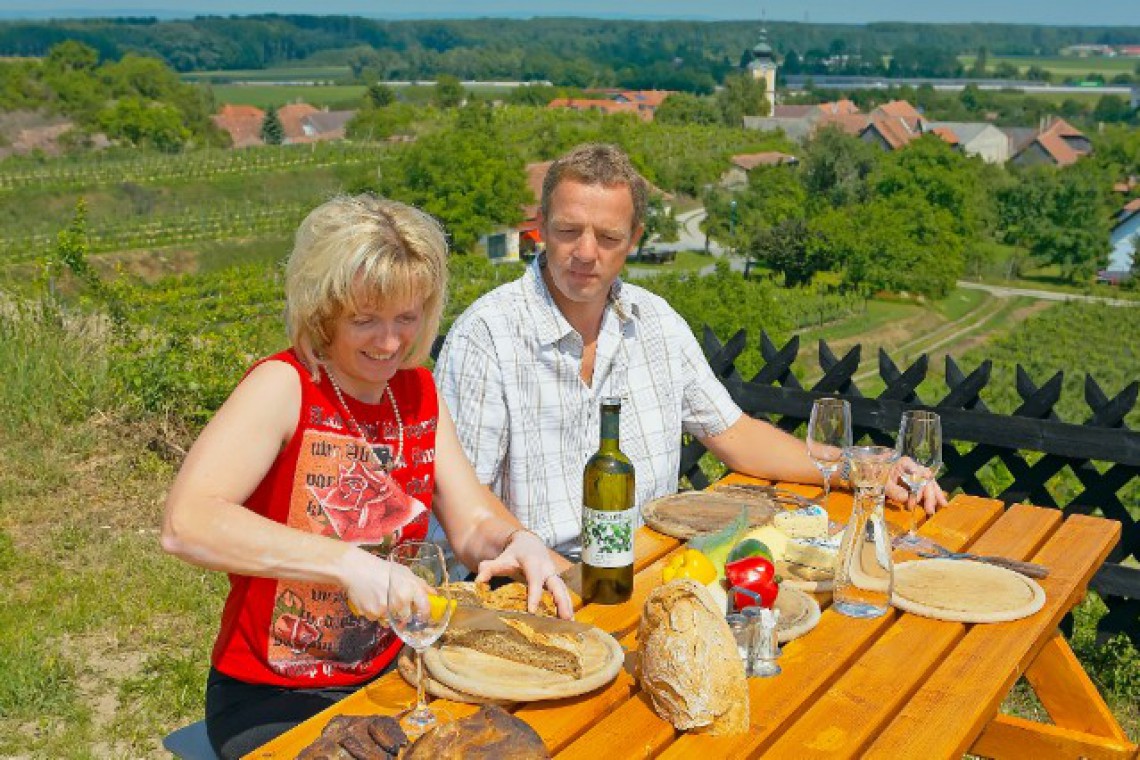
[[611, 427]]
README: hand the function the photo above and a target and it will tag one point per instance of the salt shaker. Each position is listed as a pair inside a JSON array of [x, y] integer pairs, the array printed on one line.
[[742, 633], [766, 645]]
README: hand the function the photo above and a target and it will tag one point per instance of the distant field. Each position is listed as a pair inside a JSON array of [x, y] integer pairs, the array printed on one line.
[[333, 96], [1063, 66], [291, 74]]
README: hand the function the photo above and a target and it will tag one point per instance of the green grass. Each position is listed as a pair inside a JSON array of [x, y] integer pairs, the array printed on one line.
[[686, 261], [335, 97], [960, 302], [1062, 66], [877, 314], [282, 74]]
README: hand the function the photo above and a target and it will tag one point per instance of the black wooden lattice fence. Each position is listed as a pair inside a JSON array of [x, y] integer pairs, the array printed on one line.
[[777, 395]]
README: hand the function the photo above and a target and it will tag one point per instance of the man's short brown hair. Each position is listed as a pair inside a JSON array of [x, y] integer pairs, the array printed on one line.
[[597, 164]]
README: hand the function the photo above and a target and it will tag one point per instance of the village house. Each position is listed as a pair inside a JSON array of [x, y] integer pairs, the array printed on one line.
[[643, 103], [300, 123], [1125, 241], [974, 138], [736, 177], [1057, 143]]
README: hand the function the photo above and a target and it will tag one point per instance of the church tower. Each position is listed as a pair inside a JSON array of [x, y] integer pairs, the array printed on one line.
[[761, 63]]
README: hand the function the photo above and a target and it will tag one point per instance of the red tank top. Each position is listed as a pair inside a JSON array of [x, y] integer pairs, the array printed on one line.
[[301, 634]]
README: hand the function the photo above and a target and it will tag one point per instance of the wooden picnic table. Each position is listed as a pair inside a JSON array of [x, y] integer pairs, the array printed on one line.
[[895, 686]]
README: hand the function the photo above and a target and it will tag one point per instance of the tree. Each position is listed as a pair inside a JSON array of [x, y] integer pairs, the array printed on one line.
[[792, 249], [272, 131], [143, 123], [980, 63], [466, 176], [659, 223], [834, 167], [1073, 229], [685, 108], [379, 95], [741, 96], [1112, 109], [448, 92]]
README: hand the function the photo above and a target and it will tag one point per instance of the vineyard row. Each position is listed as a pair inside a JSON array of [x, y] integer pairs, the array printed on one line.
[[70, 174]]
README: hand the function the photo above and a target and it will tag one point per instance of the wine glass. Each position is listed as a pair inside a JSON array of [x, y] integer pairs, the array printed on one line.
[[919, 447], [418, 619], [828, 436]]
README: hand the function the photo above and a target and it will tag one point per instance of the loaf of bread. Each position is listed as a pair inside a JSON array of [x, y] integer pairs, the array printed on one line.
[[353, 737], [490, 734], [519, 642], [510, 597], [689, 664]]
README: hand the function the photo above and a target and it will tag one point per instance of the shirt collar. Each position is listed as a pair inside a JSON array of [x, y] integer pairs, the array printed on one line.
[[550, 323]]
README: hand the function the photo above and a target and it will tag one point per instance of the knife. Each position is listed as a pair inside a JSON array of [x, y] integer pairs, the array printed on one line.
[[483, 618]]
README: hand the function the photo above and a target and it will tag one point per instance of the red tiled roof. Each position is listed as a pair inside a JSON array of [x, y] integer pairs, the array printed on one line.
[[749, 161], [1062, 128], [291, 116], [893, 131], [1132, 206], [601, 104], [843, 106], [647, 98], [947, 135], [851, 123], [902, 110], [1059, 150], [793, 111], [243, 123]]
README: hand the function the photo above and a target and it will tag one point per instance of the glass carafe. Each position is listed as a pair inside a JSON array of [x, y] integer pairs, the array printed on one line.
[[864, 574]]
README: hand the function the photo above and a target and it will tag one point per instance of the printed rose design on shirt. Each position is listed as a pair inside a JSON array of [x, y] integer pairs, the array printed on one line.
[[366, 504]]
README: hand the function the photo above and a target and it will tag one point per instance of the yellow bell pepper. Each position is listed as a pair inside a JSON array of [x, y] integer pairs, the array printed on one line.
[[690, 564]]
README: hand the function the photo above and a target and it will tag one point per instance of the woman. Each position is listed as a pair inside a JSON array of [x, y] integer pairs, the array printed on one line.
[[337, 445]]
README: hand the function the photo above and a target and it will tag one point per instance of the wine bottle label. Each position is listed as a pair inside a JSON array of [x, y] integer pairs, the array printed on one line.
[[607, 537]]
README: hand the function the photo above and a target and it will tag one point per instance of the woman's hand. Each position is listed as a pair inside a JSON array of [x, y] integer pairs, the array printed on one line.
[[931, 497], [526, 552], [367, 582]]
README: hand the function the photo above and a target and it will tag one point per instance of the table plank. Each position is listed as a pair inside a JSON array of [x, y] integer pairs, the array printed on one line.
[[812, 663], [950, 702], [867, 696]]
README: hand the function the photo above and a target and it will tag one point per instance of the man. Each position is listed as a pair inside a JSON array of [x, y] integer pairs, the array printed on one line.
[[524, 368]]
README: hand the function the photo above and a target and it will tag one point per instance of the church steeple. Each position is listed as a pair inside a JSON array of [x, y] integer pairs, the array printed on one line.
[[761, 63]]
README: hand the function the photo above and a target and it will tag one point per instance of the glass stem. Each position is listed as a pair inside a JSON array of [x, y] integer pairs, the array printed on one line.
[[826, 486], [421, 704]]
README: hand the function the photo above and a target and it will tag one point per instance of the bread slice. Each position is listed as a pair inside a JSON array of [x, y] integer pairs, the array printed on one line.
[[519, 642], [490, 734], [510, 598]]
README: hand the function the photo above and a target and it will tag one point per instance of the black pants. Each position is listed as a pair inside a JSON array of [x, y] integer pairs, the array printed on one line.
[[240, 716]]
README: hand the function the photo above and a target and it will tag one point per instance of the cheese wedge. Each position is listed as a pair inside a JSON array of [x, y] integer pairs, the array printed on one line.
[[805, 522]]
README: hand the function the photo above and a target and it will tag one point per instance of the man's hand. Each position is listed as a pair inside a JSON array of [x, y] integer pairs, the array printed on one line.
[[527, 552]]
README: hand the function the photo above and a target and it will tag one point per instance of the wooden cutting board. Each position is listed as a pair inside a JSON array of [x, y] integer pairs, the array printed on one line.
[[407, 667], [488, 677], [691, 513], [964, 591]]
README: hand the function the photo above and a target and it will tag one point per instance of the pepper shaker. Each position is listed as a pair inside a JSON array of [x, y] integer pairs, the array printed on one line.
[[766, 646]]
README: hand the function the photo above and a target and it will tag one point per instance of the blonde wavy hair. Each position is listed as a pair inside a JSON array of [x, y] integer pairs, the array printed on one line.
[[355, 251]]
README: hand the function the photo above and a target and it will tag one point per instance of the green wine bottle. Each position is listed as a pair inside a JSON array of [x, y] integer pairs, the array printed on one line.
[[608, 516]]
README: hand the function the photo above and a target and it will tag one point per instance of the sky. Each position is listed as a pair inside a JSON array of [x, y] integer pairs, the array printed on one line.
[[1055, 12]]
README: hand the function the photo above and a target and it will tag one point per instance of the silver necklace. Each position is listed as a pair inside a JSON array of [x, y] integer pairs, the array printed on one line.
[[395, 461]]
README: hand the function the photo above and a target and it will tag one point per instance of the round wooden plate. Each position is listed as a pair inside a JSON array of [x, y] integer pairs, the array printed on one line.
[[406, 664], [489, 677], [688, 514], [799, 613], [964, 591]]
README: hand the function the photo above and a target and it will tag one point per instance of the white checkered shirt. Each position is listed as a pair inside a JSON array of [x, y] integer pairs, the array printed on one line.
[[509, 371]]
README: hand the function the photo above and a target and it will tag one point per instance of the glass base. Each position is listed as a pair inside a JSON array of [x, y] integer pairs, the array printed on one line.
[[417, 721], [857, 610]]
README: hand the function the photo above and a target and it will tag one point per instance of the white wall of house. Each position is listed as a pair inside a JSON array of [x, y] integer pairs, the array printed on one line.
[[501, 245], [1123, 250], [991, 144]]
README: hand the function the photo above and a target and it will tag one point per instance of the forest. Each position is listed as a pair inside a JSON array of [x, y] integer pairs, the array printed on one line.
[[690, 56]]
